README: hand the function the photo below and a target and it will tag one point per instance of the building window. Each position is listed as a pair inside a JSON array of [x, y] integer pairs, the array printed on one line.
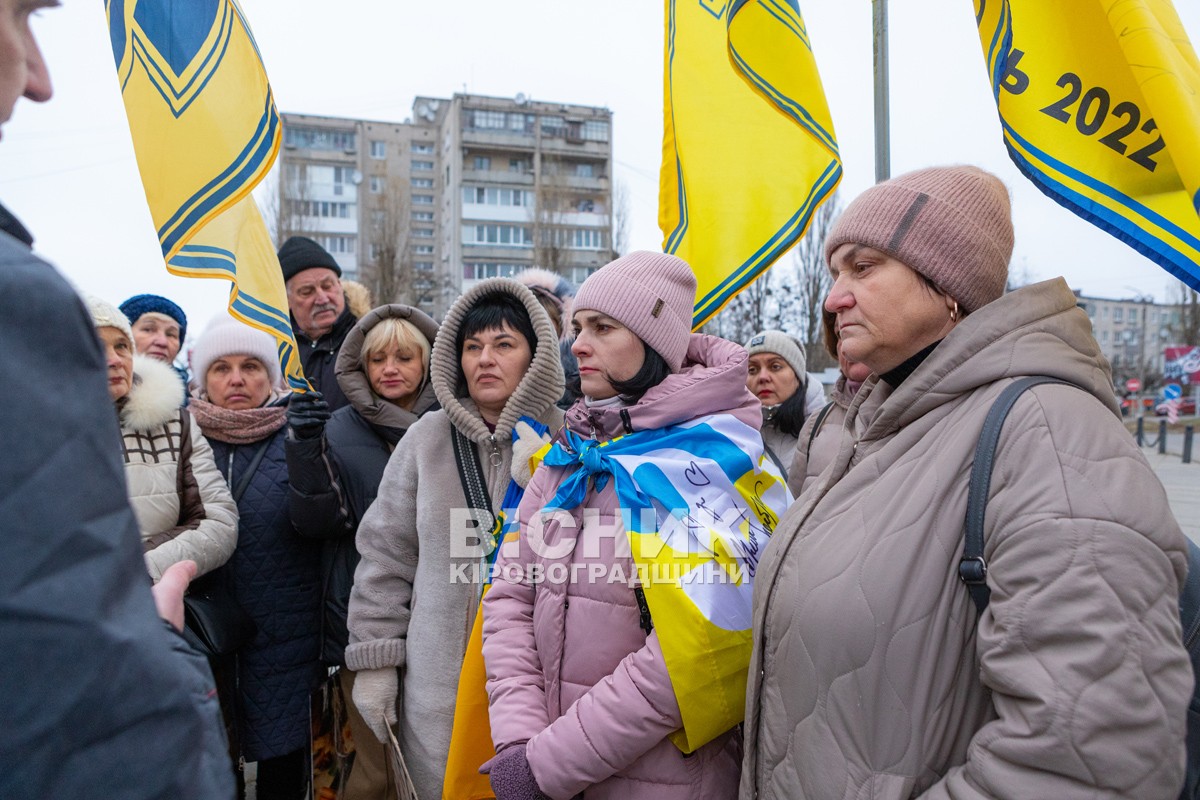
[[584, 169], [422, 199], [586, 205], [321, 208], [418, 147], [477, 271], [422, 183], [378, 149], [337, 244], [519, 165], [422, 165], [482, 163], [553, 126], [501, 235], [580, 274], [1104, 337], [496, 196], [423, 249], [423, 233], [376, 184], [487, 119], [423, 216], [586, 239], [1118, 314], [318, 138], [423, 266], [595, 130]]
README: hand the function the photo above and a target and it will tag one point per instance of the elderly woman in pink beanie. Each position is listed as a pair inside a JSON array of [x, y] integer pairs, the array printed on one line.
[[593, 674], [875, 672]]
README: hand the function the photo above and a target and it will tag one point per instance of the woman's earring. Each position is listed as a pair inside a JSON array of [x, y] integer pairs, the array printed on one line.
[[954, 312]]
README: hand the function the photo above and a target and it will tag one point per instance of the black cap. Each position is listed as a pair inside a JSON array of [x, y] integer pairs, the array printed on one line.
[[300, 253]]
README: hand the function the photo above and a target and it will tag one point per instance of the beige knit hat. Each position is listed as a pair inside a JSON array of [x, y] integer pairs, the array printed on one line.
[[951, 224], [226, 336], [652, 294], [106, 315]]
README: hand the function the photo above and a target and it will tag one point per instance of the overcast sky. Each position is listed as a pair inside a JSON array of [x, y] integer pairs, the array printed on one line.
[[67, 168]]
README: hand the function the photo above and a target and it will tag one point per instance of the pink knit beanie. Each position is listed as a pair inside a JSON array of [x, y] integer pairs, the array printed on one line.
[[652, 294], [951, 224]]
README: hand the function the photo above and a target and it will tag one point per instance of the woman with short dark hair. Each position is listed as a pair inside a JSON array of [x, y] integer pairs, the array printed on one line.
[[495, 370]]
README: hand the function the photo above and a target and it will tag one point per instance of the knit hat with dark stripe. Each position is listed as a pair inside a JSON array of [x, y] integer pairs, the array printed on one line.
[[951, 224]]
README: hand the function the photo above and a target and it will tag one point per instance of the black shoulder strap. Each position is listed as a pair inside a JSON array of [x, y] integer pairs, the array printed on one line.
[[817, 423], [470, 472], [248, 475], [972, 569]]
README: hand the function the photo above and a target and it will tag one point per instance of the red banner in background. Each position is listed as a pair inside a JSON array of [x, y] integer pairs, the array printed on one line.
[[1182, 364]]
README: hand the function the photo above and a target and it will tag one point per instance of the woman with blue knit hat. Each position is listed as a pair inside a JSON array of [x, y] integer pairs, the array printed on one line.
[[615, 635], [159, 329]]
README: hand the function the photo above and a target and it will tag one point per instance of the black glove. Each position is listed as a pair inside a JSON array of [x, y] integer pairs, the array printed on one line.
[[307, 414]]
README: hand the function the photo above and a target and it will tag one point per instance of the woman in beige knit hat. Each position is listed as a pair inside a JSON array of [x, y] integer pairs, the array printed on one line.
[[873, 672]]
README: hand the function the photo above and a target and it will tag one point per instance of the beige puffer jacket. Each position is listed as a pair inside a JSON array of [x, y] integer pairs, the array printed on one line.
[[872, 676], [815, 450], [183, 507]]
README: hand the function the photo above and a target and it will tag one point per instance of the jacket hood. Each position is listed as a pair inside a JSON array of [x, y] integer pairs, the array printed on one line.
[[155, 398], [712, 380], [352, 378], [538, 390], [1035, 330]]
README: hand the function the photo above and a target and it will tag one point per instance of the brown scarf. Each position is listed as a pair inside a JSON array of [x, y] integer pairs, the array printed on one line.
[[237, 426]]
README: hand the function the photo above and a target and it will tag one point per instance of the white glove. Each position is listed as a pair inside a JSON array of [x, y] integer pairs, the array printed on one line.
[[375, 693], [527, 443]]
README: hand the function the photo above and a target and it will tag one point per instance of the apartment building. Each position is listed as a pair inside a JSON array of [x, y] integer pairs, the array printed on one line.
[[1132, 333], [468, 188]]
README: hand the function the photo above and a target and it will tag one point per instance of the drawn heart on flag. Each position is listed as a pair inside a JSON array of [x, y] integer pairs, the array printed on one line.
[[695, 476]]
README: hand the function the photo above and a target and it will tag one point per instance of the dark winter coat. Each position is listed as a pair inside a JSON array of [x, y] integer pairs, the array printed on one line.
[[275, 578], [334, 477], [320, 357], [98, 693]]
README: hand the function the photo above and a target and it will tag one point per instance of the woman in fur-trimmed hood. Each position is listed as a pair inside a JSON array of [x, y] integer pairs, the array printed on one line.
[[495, 361], [183, 507]]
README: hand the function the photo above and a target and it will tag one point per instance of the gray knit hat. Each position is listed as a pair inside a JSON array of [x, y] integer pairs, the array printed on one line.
[[951, 224], [106, 315], [652, 294], [782, 345]]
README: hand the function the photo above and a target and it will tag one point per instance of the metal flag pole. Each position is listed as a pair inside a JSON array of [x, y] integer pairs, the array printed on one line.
[[883, 161]]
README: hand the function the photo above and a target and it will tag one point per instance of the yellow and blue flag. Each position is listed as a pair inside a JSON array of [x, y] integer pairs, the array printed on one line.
[[205, 131], [699, 502], [1099, 102], [749, 151]]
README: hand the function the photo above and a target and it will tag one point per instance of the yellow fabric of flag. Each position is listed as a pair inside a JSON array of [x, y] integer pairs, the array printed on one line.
[[1099, 102], [749, 151], [205, 131]]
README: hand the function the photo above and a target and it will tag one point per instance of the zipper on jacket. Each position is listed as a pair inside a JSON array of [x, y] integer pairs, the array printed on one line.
[[494, 457]]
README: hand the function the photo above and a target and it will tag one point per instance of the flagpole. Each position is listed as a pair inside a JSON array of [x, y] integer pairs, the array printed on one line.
[[883, 165]]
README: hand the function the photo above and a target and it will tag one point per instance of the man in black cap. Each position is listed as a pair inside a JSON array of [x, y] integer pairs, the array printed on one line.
[[320, 318]]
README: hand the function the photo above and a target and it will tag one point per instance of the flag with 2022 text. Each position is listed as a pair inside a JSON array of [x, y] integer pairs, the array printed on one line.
[[1099, 101], [749, 151], [205, 131]]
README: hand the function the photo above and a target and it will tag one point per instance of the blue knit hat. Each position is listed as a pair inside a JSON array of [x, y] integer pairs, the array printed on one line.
[[140, 304]]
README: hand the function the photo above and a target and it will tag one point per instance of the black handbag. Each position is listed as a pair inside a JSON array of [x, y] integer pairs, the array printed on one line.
[[213, 620]]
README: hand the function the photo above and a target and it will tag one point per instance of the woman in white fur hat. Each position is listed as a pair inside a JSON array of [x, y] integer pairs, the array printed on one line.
[[183, 507]]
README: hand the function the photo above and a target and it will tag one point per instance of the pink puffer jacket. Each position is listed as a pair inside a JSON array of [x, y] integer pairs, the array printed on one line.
[[570, 669]]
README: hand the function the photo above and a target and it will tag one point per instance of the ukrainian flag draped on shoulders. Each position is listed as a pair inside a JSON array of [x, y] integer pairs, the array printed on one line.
[[749, 151], [205, 131], [1099, 102], [699, 502]]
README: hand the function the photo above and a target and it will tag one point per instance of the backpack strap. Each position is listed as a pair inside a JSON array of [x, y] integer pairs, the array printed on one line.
[[817, 423], [972, 569]]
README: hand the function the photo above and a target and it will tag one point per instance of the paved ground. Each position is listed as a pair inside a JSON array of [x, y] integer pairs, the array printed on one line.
[[1182, 482]]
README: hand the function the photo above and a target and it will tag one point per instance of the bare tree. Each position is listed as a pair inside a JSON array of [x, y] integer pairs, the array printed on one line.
[[551, 203], [812, 284], [620, 216], [1185, 328], [285, 204], [389, 270]]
